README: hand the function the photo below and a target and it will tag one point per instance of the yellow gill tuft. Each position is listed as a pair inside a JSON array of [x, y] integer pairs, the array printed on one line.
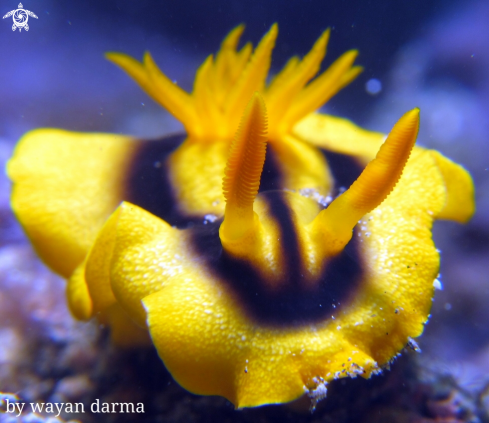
[[223, 84], [285, 87]]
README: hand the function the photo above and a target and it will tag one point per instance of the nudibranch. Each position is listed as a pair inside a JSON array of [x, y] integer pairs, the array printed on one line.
[[268, 250], [67, 184]]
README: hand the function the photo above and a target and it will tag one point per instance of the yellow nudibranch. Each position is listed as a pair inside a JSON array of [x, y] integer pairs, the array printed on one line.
[[268, 250]]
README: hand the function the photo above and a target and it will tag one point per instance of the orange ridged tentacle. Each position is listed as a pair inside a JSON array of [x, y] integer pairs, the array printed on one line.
[[334, 225], [243, 170]]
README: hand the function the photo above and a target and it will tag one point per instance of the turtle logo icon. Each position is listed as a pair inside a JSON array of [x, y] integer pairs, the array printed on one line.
[[20, 17]]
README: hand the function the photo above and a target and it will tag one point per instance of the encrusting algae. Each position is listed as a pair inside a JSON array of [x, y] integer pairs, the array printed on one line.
[[257, 279]]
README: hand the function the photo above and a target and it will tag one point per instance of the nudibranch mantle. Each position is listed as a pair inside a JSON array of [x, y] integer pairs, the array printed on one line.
[[276, 294]]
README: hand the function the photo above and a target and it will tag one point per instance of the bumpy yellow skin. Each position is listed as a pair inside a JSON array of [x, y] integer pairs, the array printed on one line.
[[133, 269]]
